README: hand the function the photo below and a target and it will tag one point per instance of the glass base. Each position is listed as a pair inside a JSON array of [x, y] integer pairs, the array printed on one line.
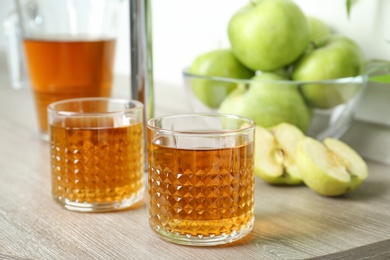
[[199, 240], [100, 207]]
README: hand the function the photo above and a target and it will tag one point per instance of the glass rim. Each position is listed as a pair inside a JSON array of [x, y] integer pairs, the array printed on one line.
[[250, 124], [51, 106], [359, 79]]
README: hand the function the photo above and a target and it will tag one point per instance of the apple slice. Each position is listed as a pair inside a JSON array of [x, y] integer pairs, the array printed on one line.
[[331, 168], [275, 154]]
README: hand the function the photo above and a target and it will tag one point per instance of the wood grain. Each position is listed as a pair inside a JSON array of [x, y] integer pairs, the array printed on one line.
[[291, 222], [376, 251]]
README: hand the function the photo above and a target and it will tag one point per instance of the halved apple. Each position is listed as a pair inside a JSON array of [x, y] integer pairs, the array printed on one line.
[[331, 168], [275, 154]]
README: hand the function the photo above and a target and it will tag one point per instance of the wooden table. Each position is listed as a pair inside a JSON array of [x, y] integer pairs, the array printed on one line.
[[291, 222]]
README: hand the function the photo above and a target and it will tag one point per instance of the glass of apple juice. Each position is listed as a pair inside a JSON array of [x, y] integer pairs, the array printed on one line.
[[201, 180], [97, 153]]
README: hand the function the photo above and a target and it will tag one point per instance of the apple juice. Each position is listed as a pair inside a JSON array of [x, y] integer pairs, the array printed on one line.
[[63, 69], [96, 165], [204, 192]]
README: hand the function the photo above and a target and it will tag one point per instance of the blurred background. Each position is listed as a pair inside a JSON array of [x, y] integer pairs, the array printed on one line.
[[182, 30]]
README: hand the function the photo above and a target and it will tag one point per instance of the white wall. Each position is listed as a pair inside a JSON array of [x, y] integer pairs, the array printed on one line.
[[5, 7]]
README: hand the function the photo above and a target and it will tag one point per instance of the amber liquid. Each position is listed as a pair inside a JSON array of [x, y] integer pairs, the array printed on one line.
[[208, 192], [68, 69], [96, 165]]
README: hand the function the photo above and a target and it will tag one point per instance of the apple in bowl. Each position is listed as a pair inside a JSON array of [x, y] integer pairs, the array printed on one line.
[[283, 66], [217, 63], [270, 99], [267, 35], [336, 58]]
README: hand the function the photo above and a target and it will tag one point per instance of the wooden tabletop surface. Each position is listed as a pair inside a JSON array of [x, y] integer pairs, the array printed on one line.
[[290, 222]]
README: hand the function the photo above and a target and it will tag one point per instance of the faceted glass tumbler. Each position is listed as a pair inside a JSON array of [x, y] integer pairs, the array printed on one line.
[[97, 153], [201, 180]]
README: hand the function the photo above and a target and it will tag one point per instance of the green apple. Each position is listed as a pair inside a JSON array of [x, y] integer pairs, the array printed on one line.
[[275, 154], [268, 34], [269, 100], [331, 168], [338, 57], [319, 30], [235, 101], [217, 63]]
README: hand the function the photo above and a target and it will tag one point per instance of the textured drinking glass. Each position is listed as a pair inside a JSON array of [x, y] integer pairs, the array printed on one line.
[[97, 153], [201, 180]]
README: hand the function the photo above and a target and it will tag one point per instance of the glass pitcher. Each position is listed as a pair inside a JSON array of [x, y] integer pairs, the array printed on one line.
[[69, 49]]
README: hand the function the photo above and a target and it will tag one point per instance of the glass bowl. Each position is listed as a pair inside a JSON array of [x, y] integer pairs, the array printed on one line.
[[331, 103]]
